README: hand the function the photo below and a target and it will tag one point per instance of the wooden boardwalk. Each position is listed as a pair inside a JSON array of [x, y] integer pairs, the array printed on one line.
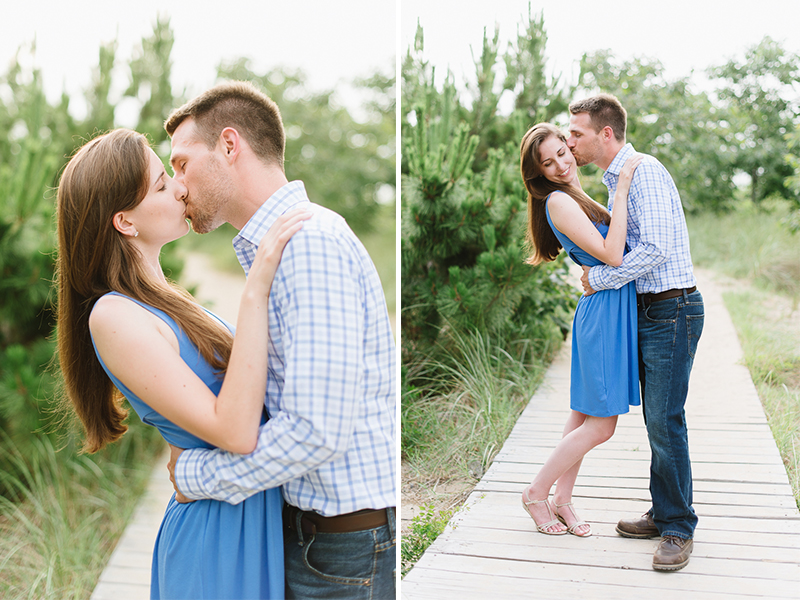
[[747, 544], [127, 574]]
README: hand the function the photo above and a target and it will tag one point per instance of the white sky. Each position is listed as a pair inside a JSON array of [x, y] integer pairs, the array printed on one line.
[[332, 41], [684, 35]]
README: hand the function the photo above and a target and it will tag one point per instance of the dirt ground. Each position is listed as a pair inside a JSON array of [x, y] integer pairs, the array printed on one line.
[[442, 495]]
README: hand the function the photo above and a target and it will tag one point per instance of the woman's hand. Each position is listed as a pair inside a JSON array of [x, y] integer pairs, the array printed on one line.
[[626, 174], [270, 250]]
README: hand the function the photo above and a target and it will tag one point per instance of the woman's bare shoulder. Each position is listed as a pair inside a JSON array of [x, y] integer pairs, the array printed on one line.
[[111, 311]]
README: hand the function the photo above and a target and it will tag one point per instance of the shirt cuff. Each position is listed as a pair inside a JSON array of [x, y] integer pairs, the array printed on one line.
[[188, 473]]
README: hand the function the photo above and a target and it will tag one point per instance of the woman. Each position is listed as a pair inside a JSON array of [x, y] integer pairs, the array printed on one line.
[[123, 325], [604, 380]]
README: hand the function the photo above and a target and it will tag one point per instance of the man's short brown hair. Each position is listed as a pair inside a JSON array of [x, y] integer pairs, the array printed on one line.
[[237, 104], [604, 110]]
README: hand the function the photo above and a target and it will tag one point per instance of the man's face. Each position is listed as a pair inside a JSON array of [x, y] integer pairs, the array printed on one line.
[[208, 184], [583, 140]]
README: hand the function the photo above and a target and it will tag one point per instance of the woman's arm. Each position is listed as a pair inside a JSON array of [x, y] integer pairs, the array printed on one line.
[[569, 219], [143, 353]]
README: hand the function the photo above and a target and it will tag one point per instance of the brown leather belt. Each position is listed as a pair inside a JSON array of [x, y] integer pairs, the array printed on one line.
[[312, 522], [645, 300]]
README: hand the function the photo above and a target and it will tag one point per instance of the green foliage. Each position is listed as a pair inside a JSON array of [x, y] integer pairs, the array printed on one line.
[[761, 105], [668, 120], [464, 219], [464, 402], [750, 242], [101, 109], [26, 243], [61, 514], [424, 530], [151, 71], [346, 164]]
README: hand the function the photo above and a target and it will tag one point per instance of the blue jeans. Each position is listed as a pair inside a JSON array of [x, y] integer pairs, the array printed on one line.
[[668, 334], [357, 565]]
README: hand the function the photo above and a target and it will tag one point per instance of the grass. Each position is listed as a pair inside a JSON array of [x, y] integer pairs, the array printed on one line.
[[424, 530], [770, 340], [751, 244], [456, 431], [66, 515], [754, 246], [456, 420]]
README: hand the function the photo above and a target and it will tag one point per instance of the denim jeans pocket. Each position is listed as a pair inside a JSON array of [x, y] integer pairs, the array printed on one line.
[[353, 566], [664, 311], [694, 327]]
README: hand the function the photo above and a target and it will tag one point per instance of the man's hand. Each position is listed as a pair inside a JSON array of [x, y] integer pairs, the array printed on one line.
[[175, 452], [587, 289]]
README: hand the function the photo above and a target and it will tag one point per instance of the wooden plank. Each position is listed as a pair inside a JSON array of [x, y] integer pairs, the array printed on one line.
[[602, 554], [705, 492], [747, 543], [691, 580], [446, 585], [607, 543]]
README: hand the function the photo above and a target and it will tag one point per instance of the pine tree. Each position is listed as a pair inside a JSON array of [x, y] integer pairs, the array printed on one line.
[[463, 223]]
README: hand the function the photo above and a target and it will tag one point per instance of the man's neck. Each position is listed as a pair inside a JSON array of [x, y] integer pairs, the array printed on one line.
[[258, 189], [609, 155]]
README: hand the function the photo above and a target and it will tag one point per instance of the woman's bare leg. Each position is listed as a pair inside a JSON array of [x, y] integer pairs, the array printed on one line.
[[581, 434]]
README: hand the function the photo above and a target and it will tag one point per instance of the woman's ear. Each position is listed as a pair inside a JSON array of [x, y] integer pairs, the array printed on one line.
[[123, 225]]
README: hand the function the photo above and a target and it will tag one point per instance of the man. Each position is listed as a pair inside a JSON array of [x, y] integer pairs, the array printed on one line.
[[670, 318], [330, 439]]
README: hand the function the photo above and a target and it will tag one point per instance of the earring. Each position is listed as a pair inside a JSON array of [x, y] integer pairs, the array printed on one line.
[[136, 234]]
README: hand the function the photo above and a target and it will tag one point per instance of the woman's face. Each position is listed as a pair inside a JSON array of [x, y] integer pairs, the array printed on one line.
[[161, 216], [556, 161]]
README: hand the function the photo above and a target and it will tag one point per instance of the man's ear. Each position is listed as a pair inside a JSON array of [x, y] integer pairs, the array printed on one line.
[[230, 143], [124, 225], [607, 133]]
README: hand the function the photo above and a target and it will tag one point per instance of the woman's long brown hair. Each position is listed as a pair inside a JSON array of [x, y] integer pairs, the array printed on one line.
[[107, 175], [541, 239]]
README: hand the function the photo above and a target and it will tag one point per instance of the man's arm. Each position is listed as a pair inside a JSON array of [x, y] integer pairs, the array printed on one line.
[[319, 313], [649, 205]]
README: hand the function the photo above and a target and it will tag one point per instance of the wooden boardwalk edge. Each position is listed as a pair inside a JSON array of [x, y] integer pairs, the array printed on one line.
[[747, 543]]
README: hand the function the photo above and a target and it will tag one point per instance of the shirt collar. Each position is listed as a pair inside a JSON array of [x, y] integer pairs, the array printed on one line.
[[284, 199], [619, 160]]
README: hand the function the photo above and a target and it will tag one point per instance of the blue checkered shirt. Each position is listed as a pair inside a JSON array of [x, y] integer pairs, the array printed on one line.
[[659, 257], [331, 392]]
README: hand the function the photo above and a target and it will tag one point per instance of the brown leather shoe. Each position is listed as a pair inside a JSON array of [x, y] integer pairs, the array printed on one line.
[[672, 553], [640, 528]]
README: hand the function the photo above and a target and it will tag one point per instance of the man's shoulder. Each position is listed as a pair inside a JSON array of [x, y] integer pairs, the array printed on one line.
[[327, 232]]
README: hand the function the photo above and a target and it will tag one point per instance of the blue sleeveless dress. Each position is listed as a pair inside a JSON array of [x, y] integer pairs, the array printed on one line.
[[605, 355], [210, 549]]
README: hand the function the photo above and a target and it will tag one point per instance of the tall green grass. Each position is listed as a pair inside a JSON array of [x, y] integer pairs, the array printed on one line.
[[64, 512], [751, 243], [465, 405]]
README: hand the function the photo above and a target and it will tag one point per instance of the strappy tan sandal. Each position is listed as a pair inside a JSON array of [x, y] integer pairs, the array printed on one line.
[[541, 528], [573, 528]]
